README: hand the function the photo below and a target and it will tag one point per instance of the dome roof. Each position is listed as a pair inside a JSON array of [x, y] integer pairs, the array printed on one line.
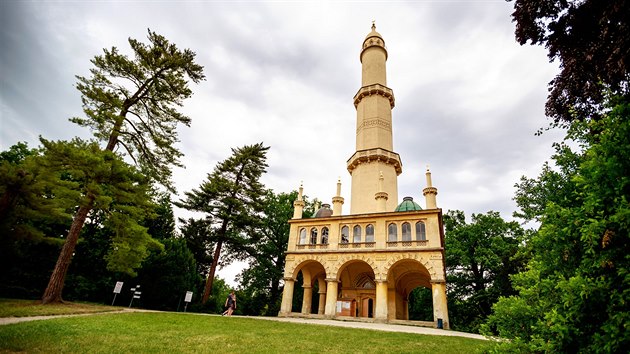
[[324, 211], [408, 205], [373, 33]]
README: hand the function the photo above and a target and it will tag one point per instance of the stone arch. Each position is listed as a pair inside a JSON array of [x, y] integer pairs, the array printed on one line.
[[310, 267], [333, 269], [410, 256]]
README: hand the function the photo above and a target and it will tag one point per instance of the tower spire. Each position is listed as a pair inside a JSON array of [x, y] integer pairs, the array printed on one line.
[[430, 192], [374, 141]]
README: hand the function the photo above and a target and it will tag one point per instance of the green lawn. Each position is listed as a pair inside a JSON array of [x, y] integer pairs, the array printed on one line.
[[24, 308], [179, 332]]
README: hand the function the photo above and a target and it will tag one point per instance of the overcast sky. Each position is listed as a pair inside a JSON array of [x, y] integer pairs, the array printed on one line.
[[468, 97]]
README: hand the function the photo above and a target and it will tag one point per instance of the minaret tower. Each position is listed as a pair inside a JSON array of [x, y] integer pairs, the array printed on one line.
[[374, 147]]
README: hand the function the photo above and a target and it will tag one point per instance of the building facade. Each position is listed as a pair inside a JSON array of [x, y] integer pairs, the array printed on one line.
[[366, 264]]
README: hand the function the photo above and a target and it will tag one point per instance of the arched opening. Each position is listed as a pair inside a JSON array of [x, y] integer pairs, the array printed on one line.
[[309, 279], [302, 240], [420, 306], [356, 234], [403, 278], [345, 232], [421, 231], [357, 290], [392, 233], [313, 236], [324, 236], [369, 233], [406, 231]]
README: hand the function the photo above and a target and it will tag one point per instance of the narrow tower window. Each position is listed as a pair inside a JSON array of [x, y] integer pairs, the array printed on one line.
[[356, 234], [392, 233], [369, 233], [406, 231], [345, 233], [302, 237], [325, 236], [313, 236], [421, 232]]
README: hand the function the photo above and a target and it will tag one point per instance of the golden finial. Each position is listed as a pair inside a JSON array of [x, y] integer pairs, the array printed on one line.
[[373, 25]]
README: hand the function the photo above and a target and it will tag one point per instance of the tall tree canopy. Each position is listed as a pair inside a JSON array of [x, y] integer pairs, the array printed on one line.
[[480, 258], [262, 279], [130, 103], [232, 196], [591, 39], [574, 295]]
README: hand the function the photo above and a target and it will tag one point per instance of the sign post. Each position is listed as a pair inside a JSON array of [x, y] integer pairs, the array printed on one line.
[[187, 299], [135, 294], [117, 290]]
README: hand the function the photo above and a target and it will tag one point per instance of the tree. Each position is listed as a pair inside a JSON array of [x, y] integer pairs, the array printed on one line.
[[232, 197], [263, 277], [590, 39], [196, 234], [480, 258], [131, 104], [574, 295]]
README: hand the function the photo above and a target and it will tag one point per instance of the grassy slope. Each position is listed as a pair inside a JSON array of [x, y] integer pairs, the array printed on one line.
[[24, 308], [177, 332]]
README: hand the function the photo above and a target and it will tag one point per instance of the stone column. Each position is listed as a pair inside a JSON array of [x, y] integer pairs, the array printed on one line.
[[307, 299], [440, 310], [331, 297], [287, 297], [380, 314], [322, 302]]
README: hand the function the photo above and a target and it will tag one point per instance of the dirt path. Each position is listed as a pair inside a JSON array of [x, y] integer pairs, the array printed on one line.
[[364, 325]]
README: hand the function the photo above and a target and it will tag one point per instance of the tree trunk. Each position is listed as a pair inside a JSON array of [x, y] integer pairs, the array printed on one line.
[[58, 276], [213, 268]]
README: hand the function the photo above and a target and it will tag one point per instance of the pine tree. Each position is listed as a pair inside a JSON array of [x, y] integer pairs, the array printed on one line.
[[132, 105], [232, 196]]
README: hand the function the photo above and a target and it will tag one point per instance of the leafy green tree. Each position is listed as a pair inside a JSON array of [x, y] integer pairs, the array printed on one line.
[[480, 258], [574, 295], [132, 105], [167, 275], [232, 198], [161, 223], [196, 233], [590, 39], [262, 280]]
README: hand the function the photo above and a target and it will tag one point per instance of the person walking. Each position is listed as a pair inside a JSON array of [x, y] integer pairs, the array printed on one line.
[[230, 303]]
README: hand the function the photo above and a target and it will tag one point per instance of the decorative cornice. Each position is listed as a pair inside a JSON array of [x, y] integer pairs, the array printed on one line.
[[371, 155], [337, 200], [375, 89], [373, 41], [381, 195], [429, 190]]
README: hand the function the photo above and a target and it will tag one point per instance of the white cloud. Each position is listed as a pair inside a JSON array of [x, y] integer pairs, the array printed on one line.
[[468, 97]]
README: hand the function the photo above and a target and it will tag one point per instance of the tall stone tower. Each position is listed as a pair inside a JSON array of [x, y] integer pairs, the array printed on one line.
[[366, 264], [374, 154]]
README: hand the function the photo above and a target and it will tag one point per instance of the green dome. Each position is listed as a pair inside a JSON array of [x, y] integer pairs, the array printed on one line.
[[408, 205]]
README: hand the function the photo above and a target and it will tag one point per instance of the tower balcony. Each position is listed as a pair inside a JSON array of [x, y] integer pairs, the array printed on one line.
[[375, 89], [378, 154]]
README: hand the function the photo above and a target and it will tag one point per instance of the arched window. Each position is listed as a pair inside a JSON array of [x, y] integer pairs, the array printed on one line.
[[345, 234], [369, 233], [392, 233], [406, 231], [421, 231], [325, 236], [356, 234], [313, 236], [302, 237]]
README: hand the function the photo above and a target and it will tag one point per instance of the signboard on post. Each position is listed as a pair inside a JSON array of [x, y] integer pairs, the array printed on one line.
[[187, 299], [135, 294], [117, 290]]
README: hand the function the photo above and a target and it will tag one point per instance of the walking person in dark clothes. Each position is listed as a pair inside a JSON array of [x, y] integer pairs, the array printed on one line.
[[230, 303]]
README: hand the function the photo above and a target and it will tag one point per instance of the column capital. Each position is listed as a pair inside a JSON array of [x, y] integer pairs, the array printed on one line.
[[328, 280], [306, 286], [288, 279]]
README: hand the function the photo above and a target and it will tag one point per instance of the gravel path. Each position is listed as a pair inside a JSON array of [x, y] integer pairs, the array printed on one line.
[[365, 325]]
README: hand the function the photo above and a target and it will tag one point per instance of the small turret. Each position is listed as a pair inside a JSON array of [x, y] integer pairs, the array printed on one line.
[[298, 204], [430, 192], [337, 200], [381, 196]]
